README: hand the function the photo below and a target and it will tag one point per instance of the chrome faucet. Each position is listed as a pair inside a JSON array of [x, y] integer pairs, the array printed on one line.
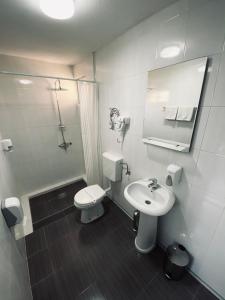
[[153, 184]]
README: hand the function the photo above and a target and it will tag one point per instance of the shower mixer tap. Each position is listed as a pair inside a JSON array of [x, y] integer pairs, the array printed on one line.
[[65, 145]]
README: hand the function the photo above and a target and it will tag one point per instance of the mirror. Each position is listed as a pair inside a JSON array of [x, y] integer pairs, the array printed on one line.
[[173, 95]]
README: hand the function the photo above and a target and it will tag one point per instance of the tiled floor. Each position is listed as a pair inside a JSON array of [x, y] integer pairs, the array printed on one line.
[[69, 260], [52, 205]]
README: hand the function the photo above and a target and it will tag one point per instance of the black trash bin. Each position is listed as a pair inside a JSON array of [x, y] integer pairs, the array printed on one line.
[[176, 261]]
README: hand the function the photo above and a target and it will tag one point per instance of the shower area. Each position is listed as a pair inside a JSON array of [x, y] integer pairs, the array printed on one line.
[[41, 115]]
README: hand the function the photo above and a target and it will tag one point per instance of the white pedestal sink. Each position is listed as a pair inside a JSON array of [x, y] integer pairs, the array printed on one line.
[[151, 203]]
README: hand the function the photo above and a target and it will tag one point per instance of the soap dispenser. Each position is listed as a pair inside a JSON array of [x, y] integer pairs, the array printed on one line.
[[173, 174]]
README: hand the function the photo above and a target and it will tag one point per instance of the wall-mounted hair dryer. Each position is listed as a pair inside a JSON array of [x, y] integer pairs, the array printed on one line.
[[118, 123], [120, 126]]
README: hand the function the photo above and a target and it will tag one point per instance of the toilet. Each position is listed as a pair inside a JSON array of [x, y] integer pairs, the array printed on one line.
[[89, 199]]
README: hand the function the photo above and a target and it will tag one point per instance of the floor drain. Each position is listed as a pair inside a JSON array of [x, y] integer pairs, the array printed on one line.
[[147, 202]]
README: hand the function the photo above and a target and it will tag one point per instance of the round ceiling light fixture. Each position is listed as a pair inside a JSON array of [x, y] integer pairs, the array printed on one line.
[[58, 9], [170, 51]]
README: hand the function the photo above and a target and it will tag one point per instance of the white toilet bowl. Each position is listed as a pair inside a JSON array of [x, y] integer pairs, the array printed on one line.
[[89, 200]]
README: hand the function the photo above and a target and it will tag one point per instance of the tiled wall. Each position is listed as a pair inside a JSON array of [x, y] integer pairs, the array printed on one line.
[[28, 115], [14, 279], [198, 218]]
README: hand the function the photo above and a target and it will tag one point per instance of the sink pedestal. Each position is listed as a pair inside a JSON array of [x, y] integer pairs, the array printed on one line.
[[146, 236]]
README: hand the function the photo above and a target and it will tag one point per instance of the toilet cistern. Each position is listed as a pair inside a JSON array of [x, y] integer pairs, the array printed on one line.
[[152, 200]]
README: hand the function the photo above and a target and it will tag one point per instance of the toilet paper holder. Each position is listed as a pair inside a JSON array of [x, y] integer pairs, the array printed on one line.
[[7, 145]]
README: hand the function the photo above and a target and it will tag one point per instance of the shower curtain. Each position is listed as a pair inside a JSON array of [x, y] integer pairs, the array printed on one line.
[[89, 112]]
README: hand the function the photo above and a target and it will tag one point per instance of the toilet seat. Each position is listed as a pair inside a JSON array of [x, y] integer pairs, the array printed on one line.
[[89, 196]]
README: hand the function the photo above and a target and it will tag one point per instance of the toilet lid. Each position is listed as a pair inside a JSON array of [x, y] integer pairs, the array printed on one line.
[[89, 195]]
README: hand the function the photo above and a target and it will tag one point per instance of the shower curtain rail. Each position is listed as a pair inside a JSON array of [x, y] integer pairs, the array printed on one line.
[[42, 76]]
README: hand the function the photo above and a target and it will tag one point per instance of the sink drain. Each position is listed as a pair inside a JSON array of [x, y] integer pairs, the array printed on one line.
[[147, 202]]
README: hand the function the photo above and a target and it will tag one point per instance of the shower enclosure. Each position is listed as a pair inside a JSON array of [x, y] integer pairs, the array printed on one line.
[[41, 116]]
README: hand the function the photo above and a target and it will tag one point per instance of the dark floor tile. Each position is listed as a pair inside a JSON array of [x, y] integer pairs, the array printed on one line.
[[57, 193], [63, 252], [143, 267], [47, 289], [39, 210], [91, 293], [144, 296], [40, 198], [76, 186], [39, 266], [56, 230], [57, 204], [162, 288], [121, 239], [115, 212], [189, 283], [106, 226], [73, 219], [118, 283], [92, 234], [35, 242], [100, 249], [69, 191], [69, 210], [49, 219], [70, 198], [204, 294], [73, 280], [155, 291]]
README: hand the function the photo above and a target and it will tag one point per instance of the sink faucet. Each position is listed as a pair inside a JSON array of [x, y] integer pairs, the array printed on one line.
[[153, 184]]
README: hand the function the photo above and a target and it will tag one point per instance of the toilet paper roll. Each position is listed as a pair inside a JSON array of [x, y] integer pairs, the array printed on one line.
[[7, 145]]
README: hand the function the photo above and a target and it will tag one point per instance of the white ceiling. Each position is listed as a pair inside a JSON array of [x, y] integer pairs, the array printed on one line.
[[26, 32]]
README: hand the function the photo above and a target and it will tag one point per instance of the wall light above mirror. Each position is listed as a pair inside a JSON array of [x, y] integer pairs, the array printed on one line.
[[172, 102]]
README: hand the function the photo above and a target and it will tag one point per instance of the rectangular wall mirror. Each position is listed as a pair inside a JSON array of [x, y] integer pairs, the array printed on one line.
[[173, 96]]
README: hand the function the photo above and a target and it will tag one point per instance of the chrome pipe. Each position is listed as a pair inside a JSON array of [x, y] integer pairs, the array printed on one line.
[[42, 76]]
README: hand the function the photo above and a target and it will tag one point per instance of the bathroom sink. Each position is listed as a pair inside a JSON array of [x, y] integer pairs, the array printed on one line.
[[151, 202]]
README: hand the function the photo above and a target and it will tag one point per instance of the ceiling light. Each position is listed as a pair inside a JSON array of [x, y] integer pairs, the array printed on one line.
[[57, 9], [25, 81], [171, 51]]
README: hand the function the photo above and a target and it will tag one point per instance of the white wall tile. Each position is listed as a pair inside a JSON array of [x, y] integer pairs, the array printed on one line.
[[209, 175], [214, 138], [195, 231], [172, 33], [200, 126], [206, 20], [210, 80], [188, 161], [200, 226], [219, 99], [213, 267]]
